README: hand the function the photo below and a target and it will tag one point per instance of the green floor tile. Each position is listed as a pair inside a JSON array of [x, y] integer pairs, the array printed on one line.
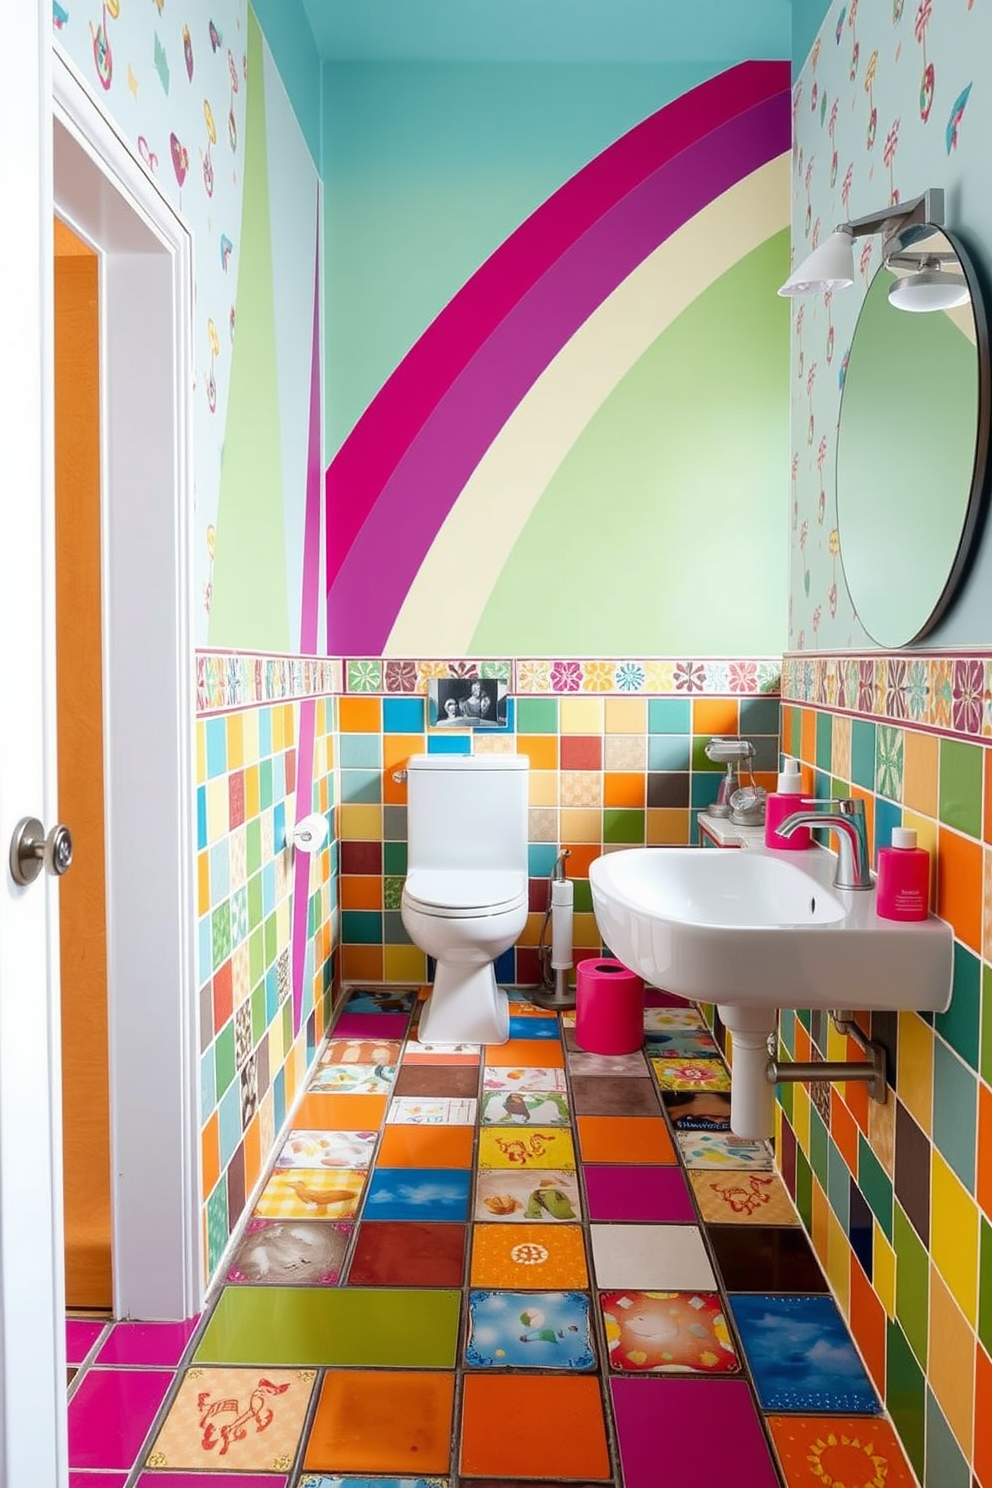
[[365, 1328]]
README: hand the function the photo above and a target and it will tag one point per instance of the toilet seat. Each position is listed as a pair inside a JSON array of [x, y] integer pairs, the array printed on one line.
[[454, 894]]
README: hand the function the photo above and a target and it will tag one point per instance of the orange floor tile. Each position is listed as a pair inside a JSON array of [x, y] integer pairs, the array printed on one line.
[[426, 1147], [382, 1421], [533, 1426], [624, 1139]]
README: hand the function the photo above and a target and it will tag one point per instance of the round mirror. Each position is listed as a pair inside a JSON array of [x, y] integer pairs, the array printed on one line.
[[914, 435]]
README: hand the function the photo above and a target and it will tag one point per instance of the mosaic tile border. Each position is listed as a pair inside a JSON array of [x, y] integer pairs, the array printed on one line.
[[557, 677], [238, 679], [949, 693]]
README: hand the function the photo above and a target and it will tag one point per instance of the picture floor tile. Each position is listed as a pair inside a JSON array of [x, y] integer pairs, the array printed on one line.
[[529, 1330], [722, 1150], [849, 1450], [559, 1431], [529, 1027], [516, 1077], [305, 1193], [533, 1256], [328, 1149], [382, 1421], [505, 1194], [235, 1418], [450, 1056], [801, 1355], [698, 1110], [354, 1079], [361, 1051], [375, 1001], [743, 1198], [663, 1019], [624, 1065], [418, 1193], [290, 1252], [426, 1110], [680, 1043], [690, 1074], [539, 1147], [524, 1108], [665, 1332]]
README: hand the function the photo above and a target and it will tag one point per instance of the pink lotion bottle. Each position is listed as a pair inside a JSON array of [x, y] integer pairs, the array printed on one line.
[[786, 800], [903, 888]]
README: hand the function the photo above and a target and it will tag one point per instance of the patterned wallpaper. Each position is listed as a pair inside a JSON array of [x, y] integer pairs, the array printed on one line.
[[197, 96], [891, 101]]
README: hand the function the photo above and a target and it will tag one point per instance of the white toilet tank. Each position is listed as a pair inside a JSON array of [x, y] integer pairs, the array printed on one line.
[[467, 811]]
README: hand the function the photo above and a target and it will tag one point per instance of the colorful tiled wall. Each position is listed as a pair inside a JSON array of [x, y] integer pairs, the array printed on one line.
[[898, 1197], [616, 759], [252, 1059]]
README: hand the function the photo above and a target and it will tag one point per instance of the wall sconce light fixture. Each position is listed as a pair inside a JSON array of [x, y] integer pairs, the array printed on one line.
[[831, 265]]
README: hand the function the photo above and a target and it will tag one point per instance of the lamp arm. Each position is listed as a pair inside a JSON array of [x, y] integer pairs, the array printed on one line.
[[928, 207]]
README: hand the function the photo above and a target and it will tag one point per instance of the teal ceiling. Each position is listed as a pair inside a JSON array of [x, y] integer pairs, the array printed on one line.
[[551, 30]]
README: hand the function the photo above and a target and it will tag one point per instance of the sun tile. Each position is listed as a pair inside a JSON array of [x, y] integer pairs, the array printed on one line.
[[814, 1450], [668, 1332], [525, 1255]]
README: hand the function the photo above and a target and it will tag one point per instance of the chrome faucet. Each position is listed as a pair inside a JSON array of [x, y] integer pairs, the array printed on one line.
[[847, 820]]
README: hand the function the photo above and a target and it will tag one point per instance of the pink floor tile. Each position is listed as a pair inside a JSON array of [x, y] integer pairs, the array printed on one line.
[[97, 1480], [110, 1415], [719, 1437], [80, 1336], [205, 1480], [372, 1025], [137, 1344], [628, 1192]]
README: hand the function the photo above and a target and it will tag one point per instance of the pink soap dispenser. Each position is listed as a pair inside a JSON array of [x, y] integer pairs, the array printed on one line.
[[784, 802], [903, 888]]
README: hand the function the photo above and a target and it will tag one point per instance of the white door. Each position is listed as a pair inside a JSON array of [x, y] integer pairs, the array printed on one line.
[[32, 1343]]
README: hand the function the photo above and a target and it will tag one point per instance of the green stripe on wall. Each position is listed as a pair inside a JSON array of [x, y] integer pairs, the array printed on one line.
[[664, 530], [248, 609]]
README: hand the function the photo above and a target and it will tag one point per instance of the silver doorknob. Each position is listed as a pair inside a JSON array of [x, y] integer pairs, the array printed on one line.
[[31, 850]]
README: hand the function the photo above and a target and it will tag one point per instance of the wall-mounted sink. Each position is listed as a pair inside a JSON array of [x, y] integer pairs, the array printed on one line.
[[758, 930]]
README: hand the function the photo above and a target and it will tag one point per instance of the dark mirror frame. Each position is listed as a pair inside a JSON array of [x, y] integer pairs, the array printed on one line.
[[978, 495]]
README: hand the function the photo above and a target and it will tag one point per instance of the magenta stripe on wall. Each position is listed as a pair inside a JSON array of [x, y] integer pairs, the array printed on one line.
[[394, 503]]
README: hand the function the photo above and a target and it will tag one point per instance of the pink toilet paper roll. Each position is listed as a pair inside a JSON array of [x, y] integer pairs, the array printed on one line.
[[609, 1007]]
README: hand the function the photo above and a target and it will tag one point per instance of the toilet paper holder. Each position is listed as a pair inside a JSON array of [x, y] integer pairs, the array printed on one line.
[[309, 834]]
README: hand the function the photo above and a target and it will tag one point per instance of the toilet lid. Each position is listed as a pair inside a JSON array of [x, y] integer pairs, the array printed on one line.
[[465, 891]]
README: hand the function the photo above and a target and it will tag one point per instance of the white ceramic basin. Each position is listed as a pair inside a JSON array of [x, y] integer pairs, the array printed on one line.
[[764, 929]]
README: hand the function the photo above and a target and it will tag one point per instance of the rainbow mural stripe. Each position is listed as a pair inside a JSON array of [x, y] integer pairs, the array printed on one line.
[[401, 471]]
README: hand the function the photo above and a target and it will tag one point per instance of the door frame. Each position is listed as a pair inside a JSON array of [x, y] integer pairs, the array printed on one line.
[[108, 197]]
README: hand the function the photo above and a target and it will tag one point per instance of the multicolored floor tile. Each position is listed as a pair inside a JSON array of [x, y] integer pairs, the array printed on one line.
[[698, 1110], [743, 1198], [528, 1256], [801, 1355], [382, 1421], [529, 1330], [663, 1019], [719, 1439], [354, 1079], [505, 1194], [690, 1074], [449, 1054], [361, 1051], [680, 1043], [431, 1111], [668, 1332], [511, 1077], [418, 1193], [625, 1192], [524, 1108], [849, 1450], [375, 1001], [236, 1419], [310, 1193], [539, 1147], [406, 1253], [558, 1428], [722, 1150], [317, 1149], [279, 1252]]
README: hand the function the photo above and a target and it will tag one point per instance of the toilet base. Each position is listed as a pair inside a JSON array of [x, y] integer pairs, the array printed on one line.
[[465, 1007]]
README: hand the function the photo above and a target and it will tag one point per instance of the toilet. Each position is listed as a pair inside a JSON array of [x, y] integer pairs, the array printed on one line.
[[465, 897]]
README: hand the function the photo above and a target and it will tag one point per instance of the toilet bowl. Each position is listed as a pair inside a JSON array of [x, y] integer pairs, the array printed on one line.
[[465, 898]]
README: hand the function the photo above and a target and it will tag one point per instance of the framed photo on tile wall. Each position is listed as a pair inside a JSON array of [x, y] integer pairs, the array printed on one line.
[[466, 702]]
